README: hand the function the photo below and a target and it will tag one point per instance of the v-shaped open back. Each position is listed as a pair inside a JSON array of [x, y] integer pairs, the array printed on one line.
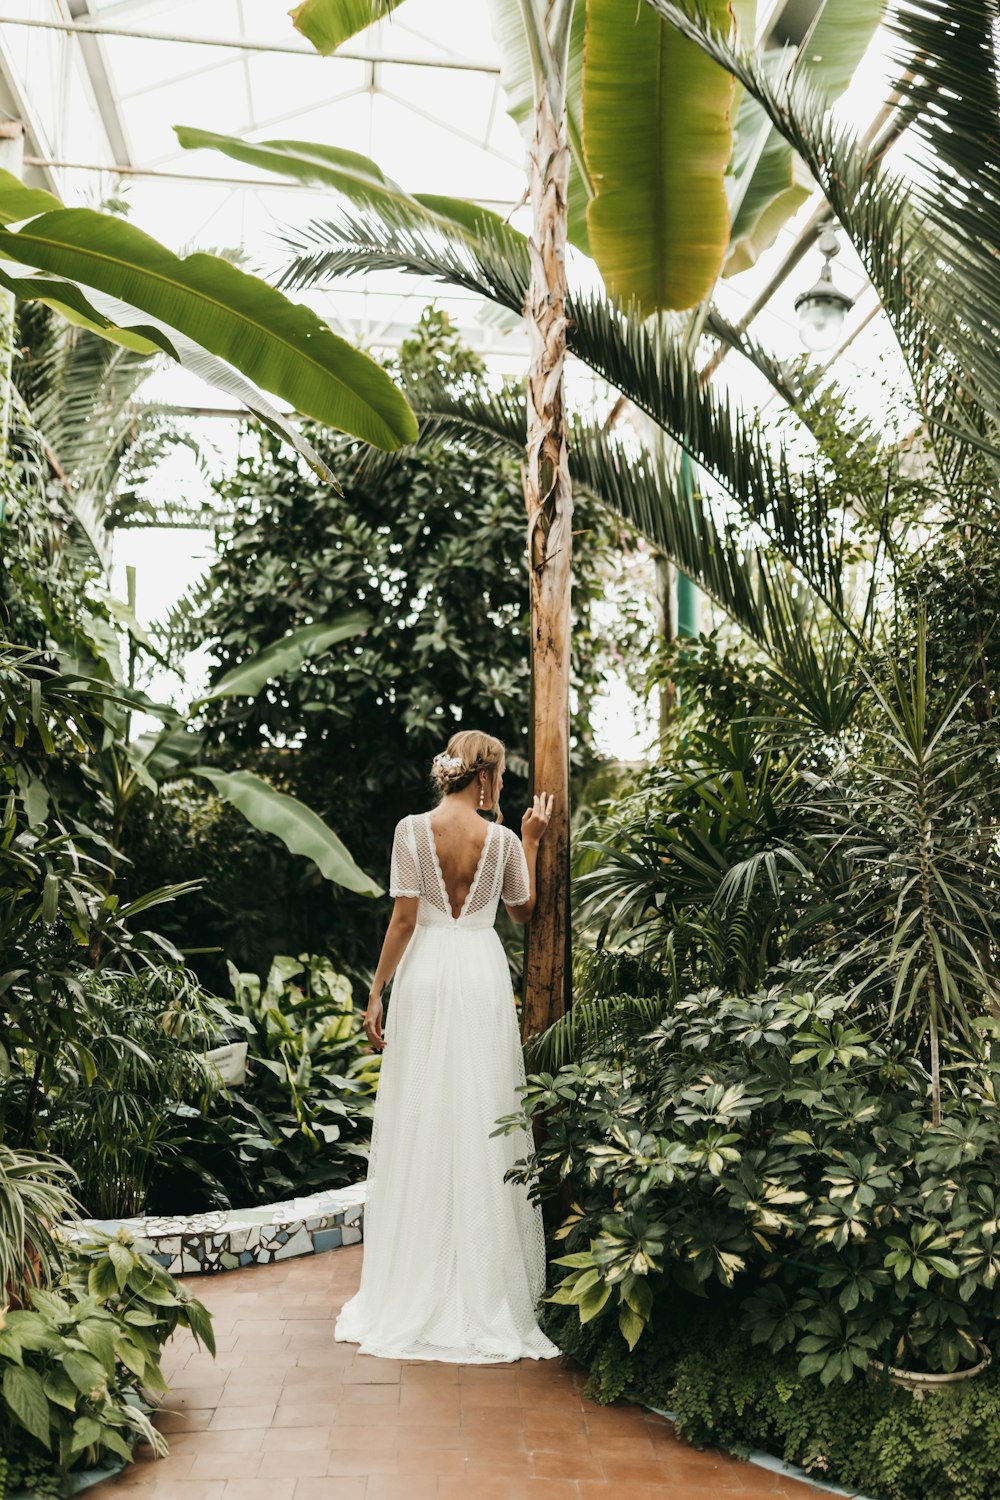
[[501, 873], [446, 894]]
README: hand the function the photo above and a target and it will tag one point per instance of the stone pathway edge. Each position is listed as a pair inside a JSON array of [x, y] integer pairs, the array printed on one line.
[[768, 1461]]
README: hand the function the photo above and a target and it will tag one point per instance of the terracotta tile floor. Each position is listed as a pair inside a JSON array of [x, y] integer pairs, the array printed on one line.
[[285, 1413]]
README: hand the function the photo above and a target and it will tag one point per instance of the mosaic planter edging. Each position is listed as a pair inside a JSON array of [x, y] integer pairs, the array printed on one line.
[[226, 1239]]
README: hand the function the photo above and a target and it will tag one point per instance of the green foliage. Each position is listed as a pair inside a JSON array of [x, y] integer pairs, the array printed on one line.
[[432, 550], [758, 848], [870, 1437], [772, 1150], [34, 1196], [201, 300], [706, 860], [58, 917], [302, 1120], [122, 1123], [73, 1362]]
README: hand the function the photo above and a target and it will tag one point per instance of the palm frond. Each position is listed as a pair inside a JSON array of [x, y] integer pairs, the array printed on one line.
[[918, 242], [590, 1021], [779, 609], [648, 363], [946, 51]]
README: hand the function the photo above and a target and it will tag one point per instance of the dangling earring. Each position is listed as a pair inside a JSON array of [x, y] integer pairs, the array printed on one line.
[[482, 794]]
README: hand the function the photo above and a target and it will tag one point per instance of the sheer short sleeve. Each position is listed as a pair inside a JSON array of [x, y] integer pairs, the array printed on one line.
[[404, 877], [516, 884]]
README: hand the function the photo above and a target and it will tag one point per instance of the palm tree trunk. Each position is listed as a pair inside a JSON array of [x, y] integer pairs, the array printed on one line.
[[667, 609], [11, 151], [549, 501]]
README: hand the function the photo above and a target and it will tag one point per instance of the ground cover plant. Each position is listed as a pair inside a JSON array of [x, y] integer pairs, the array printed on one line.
[[724, 1391], [82, 1326]]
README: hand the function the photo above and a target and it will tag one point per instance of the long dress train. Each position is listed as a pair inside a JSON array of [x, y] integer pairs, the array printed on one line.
[[454, 1257]]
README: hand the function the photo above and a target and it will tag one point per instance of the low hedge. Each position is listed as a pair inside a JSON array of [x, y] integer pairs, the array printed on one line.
[[726, 1392]]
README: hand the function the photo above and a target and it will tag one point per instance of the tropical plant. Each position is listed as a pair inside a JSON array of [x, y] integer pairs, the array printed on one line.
[[570, 75], [430, 549], [104, 274], [77, 425], [152, 760], [73, 1363], [865, 856], [35, 1195], [301, 1122], [711, 864], [890, 226], [60, 607], [919, 918], [773, 1151], [126, 1125], [56, 914]]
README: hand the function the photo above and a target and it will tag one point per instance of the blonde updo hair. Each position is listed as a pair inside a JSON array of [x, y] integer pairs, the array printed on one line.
[[467, 753]]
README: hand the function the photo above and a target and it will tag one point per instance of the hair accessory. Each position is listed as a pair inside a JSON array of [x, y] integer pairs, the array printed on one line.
[[448, 762]]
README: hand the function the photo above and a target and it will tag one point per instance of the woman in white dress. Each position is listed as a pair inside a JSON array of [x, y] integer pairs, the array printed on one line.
[[454, 1256]]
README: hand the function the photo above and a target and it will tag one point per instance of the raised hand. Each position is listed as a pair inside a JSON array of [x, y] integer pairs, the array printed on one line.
[[536, 819]]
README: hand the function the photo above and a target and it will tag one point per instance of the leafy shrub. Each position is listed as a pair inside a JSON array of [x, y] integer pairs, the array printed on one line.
[[710, 862], [72, 1363], [867, 854], [769, 1150], [118, 1119], [302, 1120], [868, 1436]]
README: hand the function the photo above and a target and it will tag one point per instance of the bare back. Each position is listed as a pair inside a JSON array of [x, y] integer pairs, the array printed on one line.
[[459, 841]]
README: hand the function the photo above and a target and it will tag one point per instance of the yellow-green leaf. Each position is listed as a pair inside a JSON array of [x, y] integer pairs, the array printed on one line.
[[330, 23], [631, 1325], [282, 345], [593, 1301], [657, 138]]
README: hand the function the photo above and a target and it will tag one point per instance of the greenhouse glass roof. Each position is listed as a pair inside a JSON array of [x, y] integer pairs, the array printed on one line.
[[101, 83]]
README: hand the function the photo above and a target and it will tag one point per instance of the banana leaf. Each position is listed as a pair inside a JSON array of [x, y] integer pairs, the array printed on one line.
[[300, 829]]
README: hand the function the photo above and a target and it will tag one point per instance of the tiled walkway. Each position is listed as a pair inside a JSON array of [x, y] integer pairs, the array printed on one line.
[[285, 1413]]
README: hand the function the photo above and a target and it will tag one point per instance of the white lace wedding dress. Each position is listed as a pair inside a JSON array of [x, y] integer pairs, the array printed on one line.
[[454, 1257]]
